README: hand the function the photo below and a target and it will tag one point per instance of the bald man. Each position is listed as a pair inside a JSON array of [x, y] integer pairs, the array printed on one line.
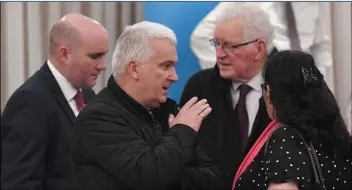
[[38, 119]]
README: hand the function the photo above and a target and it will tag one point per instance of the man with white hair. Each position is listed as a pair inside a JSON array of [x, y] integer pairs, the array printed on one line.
[[131, 136], [242, 38]]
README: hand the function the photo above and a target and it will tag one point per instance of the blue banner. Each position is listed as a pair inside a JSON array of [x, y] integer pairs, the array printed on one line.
[[182, 18]]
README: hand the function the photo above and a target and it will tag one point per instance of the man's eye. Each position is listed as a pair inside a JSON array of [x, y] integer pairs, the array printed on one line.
[[96, 56]]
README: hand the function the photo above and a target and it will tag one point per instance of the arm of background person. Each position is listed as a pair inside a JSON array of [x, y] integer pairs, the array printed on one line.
[[321, 49]]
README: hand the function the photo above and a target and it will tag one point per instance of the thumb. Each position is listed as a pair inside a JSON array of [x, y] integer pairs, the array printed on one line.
[[171, 119]]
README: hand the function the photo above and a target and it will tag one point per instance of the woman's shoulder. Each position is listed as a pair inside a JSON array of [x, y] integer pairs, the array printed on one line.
[[286, 133]]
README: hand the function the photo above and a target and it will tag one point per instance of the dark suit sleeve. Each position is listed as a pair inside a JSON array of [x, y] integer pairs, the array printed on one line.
[[109, 141], [193, 87], [25, 128]]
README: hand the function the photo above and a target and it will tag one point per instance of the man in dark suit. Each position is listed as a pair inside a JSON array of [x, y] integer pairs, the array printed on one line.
[[242, 38], [37, 122]]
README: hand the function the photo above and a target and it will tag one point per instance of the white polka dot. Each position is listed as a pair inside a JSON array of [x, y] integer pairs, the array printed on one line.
[[304, 163], [291, 165], [283, 140], [289, 158], [277, 161], [287, 152], [292, 137], [321, 165], [275, 173], [253, 180]]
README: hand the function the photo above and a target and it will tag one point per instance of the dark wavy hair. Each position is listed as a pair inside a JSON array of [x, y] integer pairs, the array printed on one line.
[[301, 98]]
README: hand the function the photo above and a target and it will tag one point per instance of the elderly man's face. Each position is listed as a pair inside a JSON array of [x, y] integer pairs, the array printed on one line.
[[158, 73], [235, 63]]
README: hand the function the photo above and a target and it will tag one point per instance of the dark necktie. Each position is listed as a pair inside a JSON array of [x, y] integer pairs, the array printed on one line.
[[241, 111], [79, 100], [292, 27], [156, 124]]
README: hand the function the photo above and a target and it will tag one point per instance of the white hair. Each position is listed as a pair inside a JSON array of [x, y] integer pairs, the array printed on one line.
[[255, 20], [133, 44]]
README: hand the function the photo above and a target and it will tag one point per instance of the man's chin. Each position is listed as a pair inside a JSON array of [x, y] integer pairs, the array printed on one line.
[[163, 99], [226, 74]]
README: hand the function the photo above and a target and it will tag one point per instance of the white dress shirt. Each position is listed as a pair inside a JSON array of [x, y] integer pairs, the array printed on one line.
[[311, 23], [252, 98], [66, 87]]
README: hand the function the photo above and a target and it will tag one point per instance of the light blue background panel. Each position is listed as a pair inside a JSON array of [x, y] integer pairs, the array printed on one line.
[[182, 18]]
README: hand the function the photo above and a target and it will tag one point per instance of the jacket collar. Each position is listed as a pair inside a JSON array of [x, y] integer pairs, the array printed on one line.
[[57, 92], [162, 112]]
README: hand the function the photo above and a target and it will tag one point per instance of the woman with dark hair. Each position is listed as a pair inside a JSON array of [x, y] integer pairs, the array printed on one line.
[[307, 145]]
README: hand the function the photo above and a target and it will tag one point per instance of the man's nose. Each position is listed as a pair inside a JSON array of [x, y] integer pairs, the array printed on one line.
[[220, 52], [173, 75], [101, 65]]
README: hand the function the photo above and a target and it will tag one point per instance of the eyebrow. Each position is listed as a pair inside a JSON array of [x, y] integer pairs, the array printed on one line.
[[168, 62], [97, 54]]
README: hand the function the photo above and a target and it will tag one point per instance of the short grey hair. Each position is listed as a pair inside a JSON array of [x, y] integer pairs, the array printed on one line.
[[255, 19], [133, 44]]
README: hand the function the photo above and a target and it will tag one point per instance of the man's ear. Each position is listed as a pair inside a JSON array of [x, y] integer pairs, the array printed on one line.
[[261, 50], [132, 70], [64, 54]]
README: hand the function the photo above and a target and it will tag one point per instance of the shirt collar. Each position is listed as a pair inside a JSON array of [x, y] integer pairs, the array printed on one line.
[[255, 83], [66, 87]]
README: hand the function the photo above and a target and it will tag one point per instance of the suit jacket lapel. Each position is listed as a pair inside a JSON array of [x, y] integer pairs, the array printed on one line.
[[56, 90]]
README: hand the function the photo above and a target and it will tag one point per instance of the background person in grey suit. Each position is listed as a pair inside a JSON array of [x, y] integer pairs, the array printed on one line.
[[38, 119]]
